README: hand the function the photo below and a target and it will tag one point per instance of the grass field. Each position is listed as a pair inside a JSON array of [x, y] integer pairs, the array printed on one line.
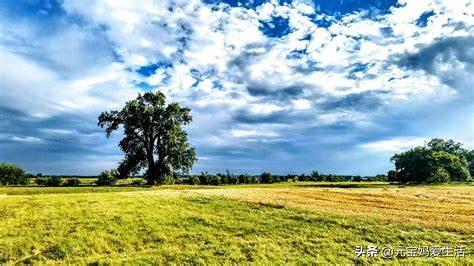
[[280, 223]]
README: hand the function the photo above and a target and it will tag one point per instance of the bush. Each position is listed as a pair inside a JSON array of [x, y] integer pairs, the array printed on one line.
[[168, 180], [138, 182], [41, 181], [380, 177], [193, 180], [214, 180], [357, 178], [107, 178], [303, 178], [72, 182], [336, 178], [54, 181], [12, 175]]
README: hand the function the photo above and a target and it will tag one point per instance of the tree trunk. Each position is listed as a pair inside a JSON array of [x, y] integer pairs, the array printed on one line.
[[151, 175]]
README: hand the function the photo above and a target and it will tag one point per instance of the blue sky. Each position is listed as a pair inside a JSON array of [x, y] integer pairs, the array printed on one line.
[[283, 86]]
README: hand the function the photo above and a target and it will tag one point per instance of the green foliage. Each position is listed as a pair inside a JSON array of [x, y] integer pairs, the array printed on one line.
[[107, 178], [357, 178], [439, 161], [194, 180], [266, 178], [380, 177], [439, 175], [204, 178], [214, 180], [72, 182], [315, 176], [12, 175], [41, 181], [303, 177], [168, 180], [154, 137], [392, 176], [137, 182], [54, 181]]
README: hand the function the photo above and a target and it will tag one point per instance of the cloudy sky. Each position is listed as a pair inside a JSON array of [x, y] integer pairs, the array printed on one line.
[[285, 86]]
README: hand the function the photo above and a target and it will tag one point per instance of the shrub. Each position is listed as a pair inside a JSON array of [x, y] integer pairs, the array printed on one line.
[[336, 178], [380, 177], [12, 175], [72, 182], [193, 180], [107, 178], [54, 181], [303, 177], [214, 180], [41, 181], [168, 180], [138, 182], [357, 178]]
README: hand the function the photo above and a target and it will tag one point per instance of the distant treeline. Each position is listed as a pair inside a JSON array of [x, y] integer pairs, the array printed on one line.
[[111, 178], [266, 178]]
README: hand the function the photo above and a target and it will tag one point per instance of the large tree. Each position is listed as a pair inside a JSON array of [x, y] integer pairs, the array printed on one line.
[[154, 136], [438, 161]]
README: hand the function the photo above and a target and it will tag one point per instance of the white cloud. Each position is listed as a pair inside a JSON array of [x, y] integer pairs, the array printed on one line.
[[219, 63], [246, 133], [394, 145], [26, 139]]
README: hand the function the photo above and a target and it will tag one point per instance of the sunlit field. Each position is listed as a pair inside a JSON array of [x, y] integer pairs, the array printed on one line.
[[278, 223]]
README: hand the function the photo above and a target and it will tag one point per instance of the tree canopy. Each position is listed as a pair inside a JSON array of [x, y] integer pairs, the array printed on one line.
[[12, 175], [154, 136], [438, 161]]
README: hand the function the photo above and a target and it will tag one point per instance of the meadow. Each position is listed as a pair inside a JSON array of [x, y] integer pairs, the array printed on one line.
[[296, 223]]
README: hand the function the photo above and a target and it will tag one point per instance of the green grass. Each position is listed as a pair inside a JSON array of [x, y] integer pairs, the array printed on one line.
[[174, 225]]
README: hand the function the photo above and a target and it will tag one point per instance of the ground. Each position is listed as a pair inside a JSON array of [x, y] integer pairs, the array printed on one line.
[[280, 223]]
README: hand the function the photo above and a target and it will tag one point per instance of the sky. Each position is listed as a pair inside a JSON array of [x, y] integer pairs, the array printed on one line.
[[287, 86]]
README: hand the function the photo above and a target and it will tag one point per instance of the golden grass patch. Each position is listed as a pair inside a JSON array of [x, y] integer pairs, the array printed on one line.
[[447, 208]]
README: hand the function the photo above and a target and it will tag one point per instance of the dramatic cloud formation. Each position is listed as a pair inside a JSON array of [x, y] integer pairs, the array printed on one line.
[[285, 86]]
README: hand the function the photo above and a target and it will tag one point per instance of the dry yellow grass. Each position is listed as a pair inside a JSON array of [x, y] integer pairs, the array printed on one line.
[[446, 208]]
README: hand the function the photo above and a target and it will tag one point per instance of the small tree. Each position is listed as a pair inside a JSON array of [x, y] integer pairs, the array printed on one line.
[[266, 178], [204, 178], [315, 176], [12, 175]]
